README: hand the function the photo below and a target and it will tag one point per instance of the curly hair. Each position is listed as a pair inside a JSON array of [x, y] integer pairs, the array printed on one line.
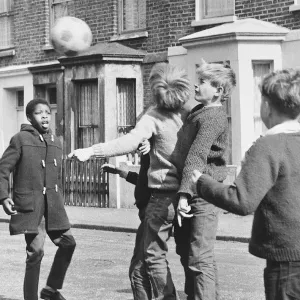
[[170, 86], [282, 89], [218, 75], [30, 107]]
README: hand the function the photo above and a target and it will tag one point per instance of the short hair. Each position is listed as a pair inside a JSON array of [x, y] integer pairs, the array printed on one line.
[[282, 89], [170, 86], [33, 103], [219, 74]]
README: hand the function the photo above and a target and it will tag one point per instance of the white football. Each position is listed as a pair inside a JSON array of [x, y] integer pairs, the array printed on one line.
[[70, 35]]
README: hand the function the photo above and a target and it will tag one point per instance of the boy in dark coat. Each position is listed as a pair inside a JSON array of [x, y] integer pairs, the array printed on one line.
[[37, 207]]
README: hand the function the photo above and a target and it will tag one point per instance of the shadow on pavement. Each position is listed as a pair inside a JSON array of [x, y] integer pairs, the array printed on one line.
[[126, 291], [129, 291], [3, 298]]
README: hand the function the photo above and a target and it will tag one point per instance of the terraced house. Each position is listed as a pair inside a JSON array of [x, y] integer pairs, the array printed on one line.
[[97, 95]]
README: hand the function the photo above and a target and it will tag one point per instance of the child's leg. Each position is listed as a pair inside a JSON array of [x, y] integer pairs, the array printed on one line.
[[160, 213], [202, 262], [182, 240], [35, 253], [66, 246], [282, 280], [140, 283]]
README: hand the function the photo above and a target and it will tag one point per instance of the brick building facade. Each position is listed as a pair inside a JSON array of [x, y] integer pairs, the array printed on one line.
[[138, 33]]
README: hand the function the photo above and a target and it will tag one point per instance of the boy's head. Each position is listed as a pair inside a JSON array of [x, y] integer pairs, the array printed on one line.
[[170, 86], [38, 112], [280, 91], [215, 82]]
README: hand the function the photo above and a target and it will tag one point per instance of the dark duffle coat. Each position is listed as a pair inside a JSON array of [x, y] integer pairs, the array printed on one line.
[[35, 161]]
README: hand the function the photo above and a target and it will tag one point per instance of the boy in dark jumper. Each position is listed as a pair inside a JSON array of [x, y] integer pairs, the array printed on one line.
[[37, 207], [203, 145], [268, 184]]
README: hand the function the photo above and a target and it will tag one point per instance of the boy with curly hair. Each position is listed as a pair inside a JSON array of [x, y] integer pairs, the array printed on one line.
[[203, 145], [268, 184]]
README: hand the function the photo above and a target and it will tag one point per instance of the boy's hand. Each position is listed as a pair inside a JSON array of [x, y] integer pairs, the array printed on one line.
[[114, 170], [144, 147], [82, 154], [194, 179], [8, 207], [182, 210], [110, 168]]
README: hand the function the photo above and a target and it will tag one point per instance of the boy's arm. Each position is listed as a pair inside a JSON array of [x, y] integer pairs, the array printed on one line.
[[8, 162], [196, 159], [257, 176], [122, 145]]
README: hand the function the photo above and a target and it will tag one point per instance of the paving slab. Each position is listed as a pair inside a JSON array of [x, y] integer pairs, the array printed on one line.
[[231, 227]]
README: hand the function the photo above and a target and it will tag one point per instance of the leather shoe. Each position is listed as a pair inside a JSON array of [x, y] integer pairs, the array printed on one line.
[[49, 295]]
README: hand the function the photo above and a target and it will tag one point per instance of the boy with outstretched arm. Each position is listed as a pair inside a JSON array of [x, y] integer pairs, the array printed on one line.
[[37, 207], [203, 145], [170, 90], [268, 184]]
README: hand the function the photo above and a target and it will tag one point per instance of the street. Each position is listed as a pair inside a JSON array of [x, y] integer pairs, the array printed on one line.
[[100, 266]]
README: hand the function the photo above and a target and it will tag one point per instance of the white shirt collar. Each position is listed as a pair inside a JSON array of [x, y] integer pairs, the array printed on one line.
[[285, 127]]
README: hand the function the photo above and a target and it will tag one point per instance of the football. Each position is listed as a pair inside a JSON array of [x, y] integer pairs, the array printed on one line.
[[70, 36]]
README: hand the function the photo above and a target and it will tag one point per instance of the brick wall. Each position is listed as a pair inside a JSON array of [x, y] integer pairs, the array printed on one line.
[[167, 21], [275, 11]]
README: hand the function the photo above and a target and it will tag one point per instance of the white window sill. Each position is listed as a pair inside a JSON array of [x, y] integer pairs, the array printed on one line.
[[129, 35], [7, 52], [211, 21], [294, 7], [48, 47]]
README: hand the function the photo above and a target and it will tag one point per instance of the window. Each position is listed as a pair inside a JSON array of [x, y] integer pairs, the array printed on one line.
[[214, 12], [6, 24], [126, 100], [20, 99], [259, 70], [56, 9], [88, 114], [295, 6], [132, 15]]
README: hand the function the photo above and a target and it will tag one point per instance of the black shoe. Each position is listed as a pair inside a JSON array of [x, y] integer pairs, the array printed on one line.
[[48, 295]]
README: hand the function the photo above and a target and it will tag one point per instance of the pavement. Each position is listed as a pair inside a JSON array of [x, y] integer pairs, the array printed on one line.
[[231, 227]]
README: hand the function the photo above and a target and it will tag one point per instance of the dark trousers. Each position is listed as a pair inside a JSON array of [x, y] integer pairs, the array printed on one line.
[[35, 252], [149, 265], [195, 246], [282, 280]]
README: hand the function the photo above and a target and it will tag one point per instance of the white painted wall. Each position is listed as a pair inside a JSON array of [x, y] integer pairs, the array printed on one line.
[[291, 50], [11, 79]]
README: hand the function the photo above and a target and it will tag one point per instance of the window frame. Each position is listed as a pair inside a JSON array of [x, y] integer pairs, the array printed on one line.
[[9, 14], [132, 33], [201, 20], [295, 6], [51, 20]]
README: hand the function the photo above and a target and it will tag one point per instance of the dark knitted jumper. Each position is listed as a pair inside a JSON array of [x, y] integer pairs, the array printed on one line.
[[203, 144], [269, 184]]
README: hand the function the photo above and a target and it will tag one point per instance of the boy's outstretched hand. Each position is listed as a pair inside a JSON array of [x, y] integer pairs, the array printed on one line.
[[82, 154], [183, 209], [8, 207]]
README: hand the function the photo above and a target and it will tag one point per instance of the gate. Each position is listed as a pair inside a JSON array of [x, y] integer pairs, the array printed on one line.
[[84, 184]]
